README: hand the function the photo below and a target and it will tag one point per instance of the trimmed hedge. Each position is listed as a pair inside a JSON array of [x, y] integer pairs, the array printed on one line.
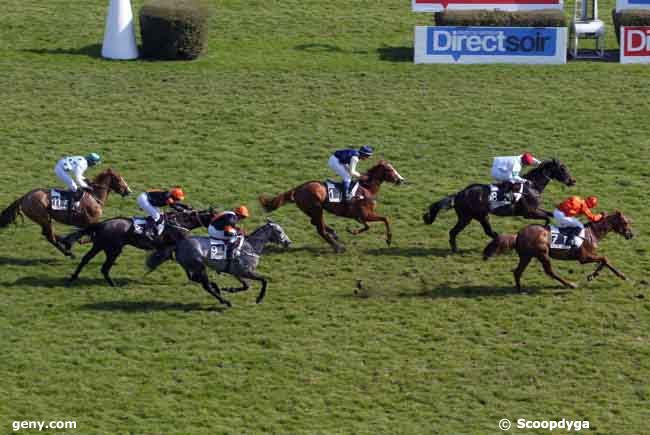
[[629, 17], [541, 18], [174, 29]]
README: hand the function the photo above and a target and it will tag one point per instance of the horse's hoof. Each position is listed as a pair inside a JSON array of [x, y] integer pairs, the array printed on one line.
[[339, 249], [227, 303], [572, 285], [259, 300], [590, 278], [389, 241]]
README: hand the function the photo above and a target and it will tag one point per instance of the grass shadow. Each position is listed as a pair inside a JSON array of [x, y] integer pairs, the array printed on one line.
[[92, 50], [315, 251], [53, 282], [316, 48], [395, 251], [396, 54], [471, 291], [10, 261], [147, 306]]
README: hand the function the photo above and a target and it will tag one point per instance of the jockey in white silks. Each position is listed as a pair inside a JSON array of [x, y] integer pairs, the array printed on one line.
[[71, 170], [344, 163], [506, 170]]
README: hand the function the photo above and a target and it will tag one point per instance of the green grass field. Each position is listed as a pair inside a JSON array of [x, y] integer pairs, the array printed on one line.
[[433, 344]]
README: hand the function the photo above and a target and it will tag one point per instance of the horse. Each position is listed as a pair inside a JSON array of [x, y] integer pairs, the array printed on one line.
[[37, 205], [194, 254], [311, 198], [473, 202], [533, 242], [112, 235]]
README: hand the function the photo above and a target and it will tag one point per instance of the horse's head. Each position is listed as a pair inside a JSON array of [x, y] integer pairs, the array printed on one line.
[[557, 170], [276, 234], [115, 182], [384, 171], [619, 223]]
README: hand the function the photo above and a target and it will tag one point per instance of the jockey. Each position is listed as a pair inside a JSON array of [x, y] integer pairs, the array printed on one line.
[[506, 170], [224, 226], [566, 214], [344, 163], [150, 200], [76, 166]]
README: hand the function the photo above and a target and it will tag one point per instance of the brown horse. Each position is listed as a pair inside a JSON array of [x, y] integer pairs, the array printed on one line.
[[311, 198], [37, 206], [533, 242]]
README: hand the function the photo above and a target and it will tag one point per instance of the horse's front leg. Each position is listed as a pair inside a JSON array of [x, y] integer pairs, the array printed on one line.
[[48, 232], [255, 277], [603, 262], [245, 286], [376, 218], [355, 232]]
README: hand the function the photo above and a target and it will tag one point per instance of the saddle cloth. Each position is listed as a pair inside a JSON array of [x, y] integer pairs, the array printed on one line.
[[499, 197], [59, 200], [140, 224], [335, 190], [219, 248], [561, 238]]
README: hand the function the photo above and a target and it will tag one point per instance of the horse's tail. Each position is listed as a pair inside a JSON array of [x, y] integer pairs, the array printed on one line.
[[271, 204], [500, 245], [10, 214], [444, 204]]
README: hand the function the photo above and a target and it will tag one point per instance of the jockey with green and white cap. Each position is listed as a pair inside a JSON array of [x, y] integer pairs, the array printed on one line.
[[71, 169]]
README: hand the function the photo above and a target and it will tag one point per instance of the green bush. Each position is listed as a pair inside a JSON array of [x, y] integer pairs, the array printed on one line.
[[174, 29], [541, 18], [629, 17]]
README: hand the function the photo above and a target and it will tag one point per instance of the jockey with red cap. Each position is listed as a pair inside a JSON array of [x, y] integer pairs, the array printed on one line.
[[507, 169], [152, 199]]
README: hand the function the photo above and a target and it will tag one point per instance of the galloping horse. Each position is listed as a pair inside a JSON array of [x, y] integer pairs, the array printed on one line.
[[473, 202], [533, 242], [194, 254], [37, 206], [311, 198], [112, 235]]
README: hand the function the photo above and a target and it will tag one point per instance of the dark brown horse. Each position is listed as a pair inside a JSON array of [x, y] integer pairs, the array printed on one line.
[[533, 242], [311, 198], [112, 235], [36, 205], [473, 202]]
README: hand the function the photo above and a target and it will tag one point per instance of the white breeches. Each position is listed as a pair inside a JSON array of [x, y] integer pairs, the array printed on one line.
[[564, 221], [144, 204], [500, 175], [65, 177], [340, 169]]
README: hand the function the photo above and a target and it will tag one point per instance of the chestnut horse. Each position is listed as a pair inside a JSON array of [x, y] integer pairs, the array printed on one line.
[[533, 242], [37, 206], [473, 202], [311, 198]]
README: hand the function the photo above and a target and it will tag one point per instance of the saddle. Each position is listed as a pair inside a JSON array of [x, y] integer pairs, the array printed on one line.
[[503, 194], [225, 250], [566, 238], [61, 199], [335, 191], [141, 224]]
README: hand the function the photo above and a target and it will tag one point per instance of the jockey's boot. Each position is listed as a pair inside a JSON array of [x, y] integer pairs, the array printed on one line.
[[345, 193], [150, 228]]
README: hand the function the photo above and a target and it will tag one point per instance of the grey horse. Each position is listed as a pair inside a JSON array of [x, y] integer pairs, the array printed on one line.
[[194, 255]]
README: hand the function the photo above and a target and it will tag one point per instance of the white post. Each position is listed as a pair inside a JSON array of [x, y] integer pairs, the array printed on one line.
[[119, 36]]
